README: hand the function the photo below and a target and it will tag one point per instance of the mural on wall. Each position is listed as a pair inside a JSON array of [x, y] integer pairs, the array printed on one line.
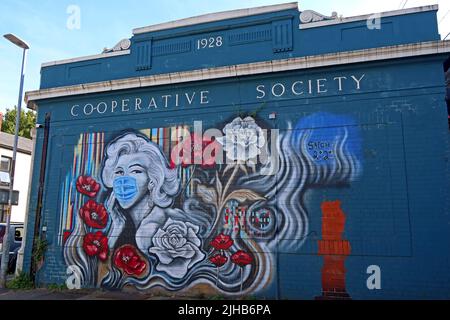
[[131, 214], [334, 250]]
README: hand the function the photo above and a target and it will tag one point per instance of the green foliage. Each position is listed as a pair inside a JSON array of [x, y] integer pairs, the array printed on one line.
[[200, 296], [255, 112], [39, 249], [20, 282], [243, 113], [27, 122], [217, 297], [57, 287]]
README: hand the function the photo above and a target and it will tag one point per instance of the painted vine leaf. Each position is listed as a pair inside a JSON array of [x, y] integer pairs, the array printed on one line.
[[243, 168], [242, 195], [252, 166], [228, 168], [207, 194], [219, 186]]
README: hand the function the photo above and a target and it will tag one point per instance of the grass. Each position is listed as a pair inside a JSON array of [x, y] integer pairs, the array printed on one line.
[[20, 282], [56, 287]]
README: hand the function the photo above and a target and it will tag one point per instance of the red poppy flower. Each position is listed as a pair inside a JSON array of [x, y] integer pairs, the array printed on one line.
[[66, 235], [219, 260], [94, 214], [241, 258], [196, 150], [87, 186], [129, 261], [222, 242], [96, 244]]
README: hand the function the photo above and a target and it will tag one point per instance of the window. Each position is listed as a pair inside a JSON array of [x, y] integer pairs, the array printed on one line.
[[5, 164], [5, 169], [2, 233], [18, 234]]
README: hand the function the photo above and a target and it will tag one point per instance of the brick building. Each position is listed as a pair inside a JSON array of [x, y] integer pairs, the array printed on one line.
[[270, 151], [22, 178]]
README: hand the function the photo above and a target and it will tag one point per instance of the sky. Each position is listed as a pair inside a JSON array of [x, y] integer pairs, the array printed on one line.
[[52, 33]]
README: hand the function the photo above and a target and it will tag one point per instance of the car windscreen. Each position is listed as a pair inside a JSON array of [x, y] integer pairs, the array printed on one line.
[[2, 233]]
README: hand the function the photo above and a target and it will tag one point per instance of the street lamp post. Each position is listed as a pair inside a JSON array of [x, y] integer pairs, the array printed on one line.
[[5, 254]]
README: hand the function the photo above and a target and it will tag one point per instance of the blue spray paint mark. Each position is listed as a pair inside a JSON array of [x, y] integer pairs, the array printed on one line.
[[324, 133]]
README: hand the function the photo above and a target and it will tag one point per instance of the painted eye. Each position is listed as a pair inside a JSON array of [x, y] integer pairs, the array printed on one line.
[[136, 171], [119, 172]]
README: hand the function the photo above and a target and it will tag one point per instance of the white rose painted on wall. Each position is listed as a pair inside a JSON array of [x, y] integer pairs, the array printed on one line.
[[177, 247], [243, 139]]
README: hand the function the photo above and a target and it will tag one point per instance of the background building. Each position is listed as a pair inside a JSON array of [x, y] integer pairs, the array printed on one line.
[[333, 180], [22, 173]]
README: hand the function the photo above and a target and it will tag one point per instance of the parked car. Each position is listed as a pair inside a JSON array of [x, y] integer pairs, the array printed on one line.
[[15, 237]]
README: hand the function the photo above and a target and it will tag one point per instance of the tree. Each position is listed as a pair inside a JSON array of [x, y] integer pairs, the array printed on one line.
[[27, 122]]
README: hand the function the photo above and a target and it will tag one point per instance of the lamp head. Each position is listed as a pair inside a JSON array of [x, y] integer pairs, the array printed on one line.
[[20, 43]]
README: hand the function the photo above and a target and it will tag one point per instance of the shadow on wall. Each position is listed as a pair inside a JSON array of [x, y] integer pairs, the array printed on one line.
[[447, 84]]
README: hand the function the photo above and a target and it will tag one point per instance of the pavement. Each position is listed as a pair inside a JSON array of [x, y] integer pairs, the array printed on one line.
[[83, 294]]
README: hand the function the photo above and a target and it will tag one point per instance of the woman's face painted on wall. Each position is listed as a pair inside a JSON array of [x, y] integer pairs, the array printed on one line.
[[130, 179]]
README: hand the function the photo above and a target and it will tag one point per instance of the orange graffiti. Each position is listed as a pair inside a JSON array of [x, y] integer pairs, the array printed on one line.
[[334, 251]]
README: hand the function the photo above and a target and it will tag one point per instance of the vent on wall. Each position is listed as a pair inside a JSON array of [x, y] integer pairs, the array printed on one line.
[[282, 35], [143, 55], [171, 48], [246, 37]]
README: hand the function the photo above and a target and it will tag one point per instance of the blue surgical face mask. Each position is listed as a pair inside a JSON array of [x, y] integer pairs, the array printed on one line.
[[125, 188]]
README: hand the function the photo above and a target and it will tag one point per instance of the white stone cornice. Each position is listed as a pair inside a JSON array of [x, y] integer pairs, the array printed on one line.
[[87, 58], [218, 16], [367, 17], [331, 59]]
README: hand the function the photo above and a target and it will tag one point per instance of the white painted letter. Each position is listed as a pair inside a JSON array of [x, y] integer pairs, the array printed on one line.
[[152, 104], [339, 81], [374, 281], [191, 98], [92, 109], [261, 91], [283, 89], [293, 88], [358, 81], [125, 105], [320, 86], [137, 104], [102, 104], [166, 100], [113, 105], [72, 109], [204, 97]]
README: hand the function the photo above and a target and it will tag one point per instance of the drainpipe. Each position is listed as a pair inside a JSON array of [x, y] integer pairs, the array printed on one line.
[[37, 223]]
